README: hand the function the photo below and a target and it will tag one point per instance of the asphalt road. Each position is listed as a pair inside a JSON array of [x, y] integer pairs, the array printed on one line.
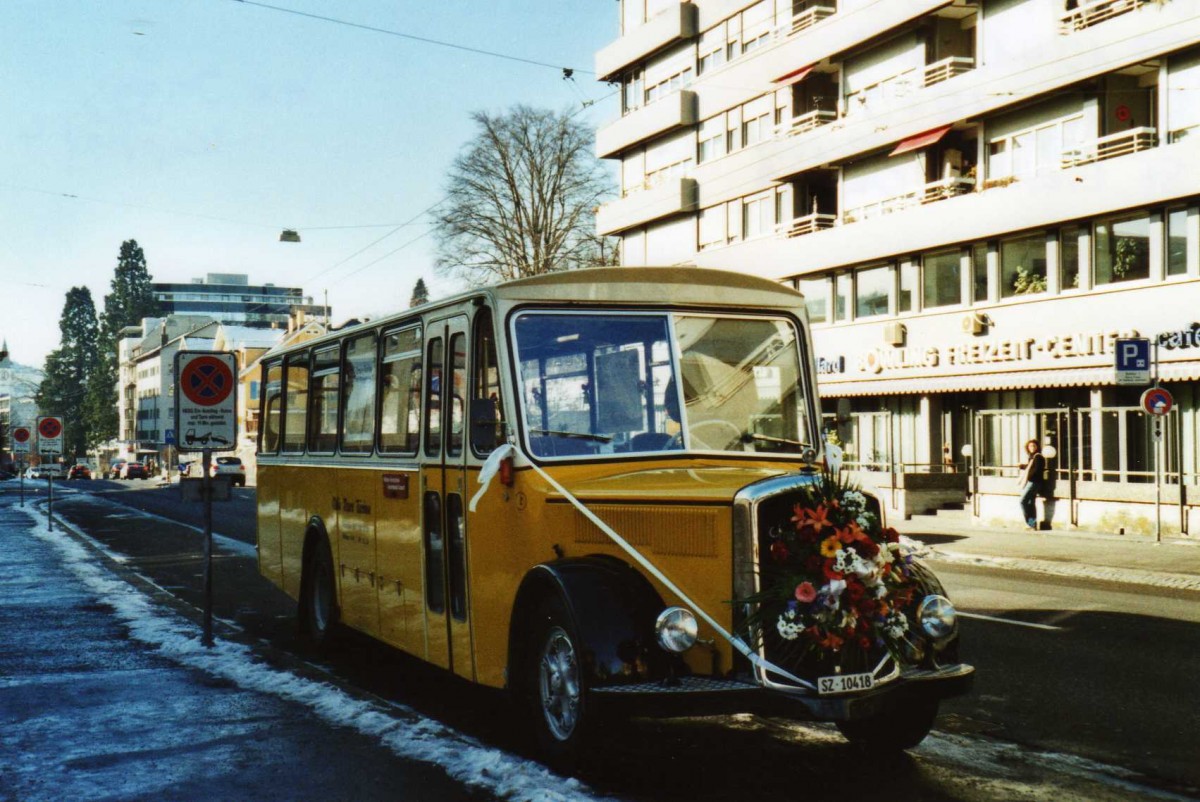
[[1064, 668]]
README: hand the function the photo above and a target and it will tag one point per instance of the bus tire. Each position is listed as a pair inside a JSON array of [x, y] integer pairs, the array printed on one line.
[[318, 597], [555, 688], [895, 729]]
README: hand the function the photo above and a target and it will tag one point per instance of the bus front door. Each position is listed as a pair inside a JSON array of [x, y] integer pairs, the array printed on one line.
[[444, 482]]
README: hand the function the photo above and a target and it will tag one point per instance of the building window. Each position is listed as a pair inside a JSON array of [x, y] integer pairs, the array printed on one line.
[[711, 137], [712, 229], [941, 279], [1023, 266], [1034, 151], [843, 286], [1122, 250], [873, 291], [711, 49], [759, 215], [909, 272], [979, 272], [1068, 258], [816, 298], [1176, 242]]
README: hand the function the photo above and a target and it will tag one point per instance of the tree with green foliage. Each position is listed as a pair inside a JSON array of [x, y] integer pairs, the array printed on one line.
[[70, 369], [420, 294], [131, 299]]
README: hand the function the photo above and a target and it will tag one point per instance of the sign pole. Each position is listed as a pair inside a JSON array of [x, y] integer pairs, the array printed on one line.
[[205, 460], [21, 481], [50, 503]]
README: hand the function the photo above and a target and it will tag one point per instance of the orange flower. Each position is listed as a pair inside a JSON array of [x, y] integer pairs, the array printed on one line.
[[819, 517], [830, 546]]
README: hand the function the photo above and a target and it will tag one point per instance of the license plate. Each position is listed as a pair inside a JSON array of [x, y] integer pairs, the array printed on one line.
[[845, 683]]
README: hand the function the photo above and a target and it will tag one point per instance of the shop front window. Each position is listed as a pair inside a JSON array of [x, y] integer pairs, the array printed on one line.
[[1023, 266], [1122, 250], [816, 298], [843, 285]]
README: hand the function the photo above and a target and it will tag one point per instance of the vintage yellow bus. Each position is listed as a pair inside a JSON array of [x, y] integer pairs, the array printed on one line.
[[573, 486]]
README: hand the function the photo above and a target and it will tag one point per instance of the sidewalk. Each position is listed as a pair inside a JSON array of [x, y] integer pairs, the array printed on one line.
[[106, 693], [950, 536]]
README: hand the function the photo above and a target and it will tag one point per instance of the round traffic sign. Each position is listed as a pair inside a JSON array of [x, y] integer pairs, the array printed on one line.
[[206, 381], [50, 428], [20, 434], [1157, 401]]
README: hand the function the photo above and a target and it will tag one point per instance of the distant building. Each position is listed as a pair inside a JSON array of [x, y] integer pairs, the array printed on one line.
[[230, 298], [18, 388]]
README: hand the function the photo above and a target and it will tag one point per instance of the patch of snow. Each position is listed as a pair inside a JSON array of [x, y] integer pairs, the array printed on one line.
[[405, 732]]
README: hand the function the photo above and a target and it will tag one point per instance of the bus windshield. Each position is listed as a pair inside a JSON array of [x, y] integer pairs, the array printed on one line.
[[618, 383]]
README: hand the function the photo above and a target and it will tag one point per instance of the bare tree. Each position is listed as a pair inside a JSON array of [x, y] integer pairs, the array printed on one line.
[[521, 199]]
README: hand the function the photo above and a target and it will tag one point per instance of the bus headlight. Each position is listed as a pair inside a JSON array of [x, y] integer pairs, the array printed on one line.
[[676, 629], [937, 617]]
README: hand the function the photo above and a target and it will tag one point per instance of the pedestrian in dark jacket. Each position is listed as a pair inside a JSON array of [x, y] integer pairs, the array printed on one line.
[[1031, 482]]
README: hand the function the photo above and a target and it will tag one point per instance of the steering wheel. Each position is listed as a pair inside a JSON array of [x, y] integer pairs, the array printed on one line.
[[699, 443]]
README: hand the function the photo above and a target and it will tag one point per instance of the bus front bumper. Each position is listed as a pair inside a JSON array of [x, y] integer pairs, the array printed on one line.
[[699, 696]]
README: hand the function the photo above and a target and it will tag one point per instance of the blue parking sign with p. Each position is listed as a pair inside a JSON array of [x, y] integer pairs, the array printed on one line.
[[1133, 360]]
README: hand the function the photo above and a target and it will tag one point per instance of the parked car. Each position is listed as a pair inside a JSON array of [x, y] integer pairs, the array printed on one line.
[[114, 470], [231, 467], [133, 470], [44, 472], [79, 472]]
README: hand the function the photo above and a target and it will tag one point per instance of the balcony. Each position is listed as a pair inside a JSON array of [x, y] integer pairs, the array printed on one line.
[[805, 123], [669, 197], [1122, 143], [1095, 12], [808, 224], [930, 193], [803, 21], [667, 114], [947, 68], [673, 25]]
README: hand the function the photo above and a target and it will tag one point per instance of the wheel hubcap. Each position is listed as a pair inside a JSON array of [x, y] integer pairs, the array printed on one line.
[[558, 684]]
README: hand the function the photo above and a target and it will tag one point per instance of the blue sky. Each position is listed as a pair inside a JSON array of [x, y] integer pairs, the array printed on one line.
[[201, 128]]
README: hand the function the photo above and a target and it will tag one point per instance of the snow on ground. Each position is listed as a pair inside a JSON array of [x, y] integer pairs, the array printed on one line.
[[402, 730], [1102, 573]]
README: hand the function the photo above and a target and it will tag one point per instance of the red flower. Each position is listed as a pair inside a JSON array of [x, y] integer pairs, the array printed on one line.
[[805, 592], [891, 535], [828, 572], [855, 591], [779, 551], [846, 535], [807, 533], [864, 642], [866, 607]]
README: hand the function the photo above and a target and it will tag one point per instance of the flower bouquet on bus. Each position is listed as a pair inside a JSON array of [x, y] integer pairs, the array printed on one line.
[[838, 593]]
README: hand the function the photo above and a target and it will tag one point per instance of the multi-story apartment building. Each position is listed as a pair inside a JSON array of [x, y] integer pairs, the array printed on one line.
[[976, 198], [230, 298]]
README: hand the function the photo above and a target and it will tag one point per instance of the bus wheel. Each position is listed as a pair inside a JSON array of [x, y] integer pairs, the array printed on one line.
[[318, 598], [895, 729], [555, 691]]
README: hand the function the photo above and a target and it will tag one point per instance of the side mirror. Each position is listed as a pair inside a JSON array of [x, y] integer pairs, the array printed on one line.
[[484, 423]]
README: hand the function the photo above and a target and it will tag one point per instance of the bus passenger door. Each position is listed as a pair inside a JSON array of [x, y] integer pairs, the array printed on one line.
[[444, 486]]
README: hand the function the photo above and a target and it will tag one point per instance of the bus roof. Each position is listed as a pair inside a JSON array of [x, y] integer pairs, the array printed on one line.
[[650, 285]]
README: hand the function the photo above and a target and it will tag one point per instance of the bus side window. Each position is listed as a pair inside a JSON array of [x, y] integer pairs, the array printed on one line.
[[295, 404], [487, 409], [400, 392], [323, 401], [458, 391], [272, 401], [358, 394], [433, 399]]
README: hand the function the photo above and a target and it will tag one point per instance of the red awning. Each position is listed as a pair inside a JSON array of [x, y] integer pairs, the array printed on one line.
[[920, 140], [793, 77]]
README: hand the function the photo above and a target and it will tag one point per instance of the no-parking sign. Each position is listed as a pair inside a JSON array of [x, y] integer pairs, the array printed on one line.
[[21, 437], [50, 435], [1157, 401], [206, 400]]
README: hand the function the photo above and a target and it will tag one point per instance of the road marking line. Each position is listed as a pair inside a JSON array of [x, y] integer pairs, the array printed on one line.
[[1030, 624]]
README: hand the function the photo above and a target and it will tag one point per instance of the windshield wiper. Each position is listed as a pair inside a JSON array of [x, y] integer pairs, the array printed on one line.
[[750, 437], [599, 438]]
